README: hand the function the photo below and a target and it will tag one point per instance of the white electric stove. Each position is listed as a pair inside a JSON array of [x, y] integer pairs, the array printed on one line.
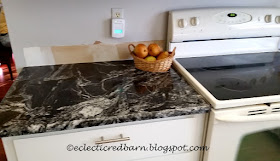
[[231, 56]]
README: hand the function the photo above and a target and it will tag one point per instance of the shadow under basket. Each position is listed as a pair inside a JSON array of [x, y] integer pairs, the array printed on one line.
[[162, 65]]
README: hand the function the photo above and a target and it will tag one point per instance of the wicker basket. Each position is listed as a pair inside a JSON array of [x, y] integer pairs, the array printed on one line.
[[161, 65]]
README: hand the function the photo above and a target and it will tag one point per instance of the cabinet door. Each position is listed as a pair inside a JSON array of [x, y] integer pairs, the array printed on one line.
[[177, 157], [165, 133]]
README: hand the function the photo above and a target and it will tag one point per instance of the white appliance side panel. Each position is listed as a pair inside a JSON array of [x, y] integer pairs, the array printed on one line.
[[224, 47], [224, 137]]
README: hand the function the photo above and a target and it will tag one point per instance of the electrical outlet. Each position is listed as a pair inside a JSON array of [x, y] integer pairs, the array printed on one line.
[[117, 13]]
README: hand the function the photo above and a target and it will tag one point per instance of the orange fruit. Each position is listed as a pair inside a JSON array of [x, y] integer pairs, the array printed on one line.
[[163, 55], [154, 49], [141, 50]]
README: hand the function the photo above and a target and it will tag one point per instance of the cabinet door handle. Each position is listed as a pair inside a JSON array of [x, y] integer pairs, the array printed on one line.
[[102, 141]]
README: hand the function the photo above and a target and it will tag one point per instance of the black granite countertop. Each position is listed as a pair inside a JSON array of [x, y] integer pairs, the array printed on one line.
[[61, 97]]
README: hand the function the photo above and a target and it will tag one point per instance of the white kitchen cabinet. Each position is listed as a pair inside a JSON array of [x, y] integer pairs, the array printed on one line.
[[179, 132], [176, 157]]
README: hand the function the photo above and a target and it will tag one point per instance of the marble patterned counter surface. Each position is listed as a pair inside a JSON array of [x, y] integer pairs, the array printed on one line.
[[61, 97]]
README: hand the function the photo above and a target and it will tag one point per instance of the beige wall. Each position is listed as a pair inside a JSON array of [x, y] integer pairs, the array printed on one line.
[[75, 22], [37, 56]]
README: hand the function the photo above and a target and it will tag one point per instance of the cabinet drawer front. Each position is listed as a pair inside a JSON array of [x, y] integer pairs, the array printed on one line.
[[177, 157], [54, 148]]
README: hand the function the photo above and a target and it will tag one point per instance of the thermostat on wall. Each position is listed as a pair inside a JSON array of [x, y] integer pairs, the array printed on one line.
[[118, 28]]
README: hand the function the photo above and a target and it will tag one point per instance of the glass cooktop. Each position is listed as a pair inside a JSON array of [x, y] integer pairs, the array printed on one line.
[[237, 76]]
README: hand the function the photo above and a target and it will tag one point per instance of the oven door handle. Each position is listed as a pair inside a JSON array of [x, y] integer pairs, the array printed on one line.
[[254, 118]]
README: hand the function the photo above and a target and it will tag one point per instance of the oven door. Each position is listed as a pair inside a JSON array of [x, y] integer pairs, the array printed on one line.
[[250, 133]]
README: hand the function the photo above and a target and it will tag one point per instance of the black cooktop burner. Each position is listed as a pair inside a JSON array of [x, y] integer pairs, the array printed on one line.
[[237, 76]]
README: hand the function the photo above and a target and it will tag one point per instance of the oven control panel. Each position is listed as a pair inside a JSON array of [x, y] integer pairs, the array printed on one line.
[[232, 18], [222, 23]]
